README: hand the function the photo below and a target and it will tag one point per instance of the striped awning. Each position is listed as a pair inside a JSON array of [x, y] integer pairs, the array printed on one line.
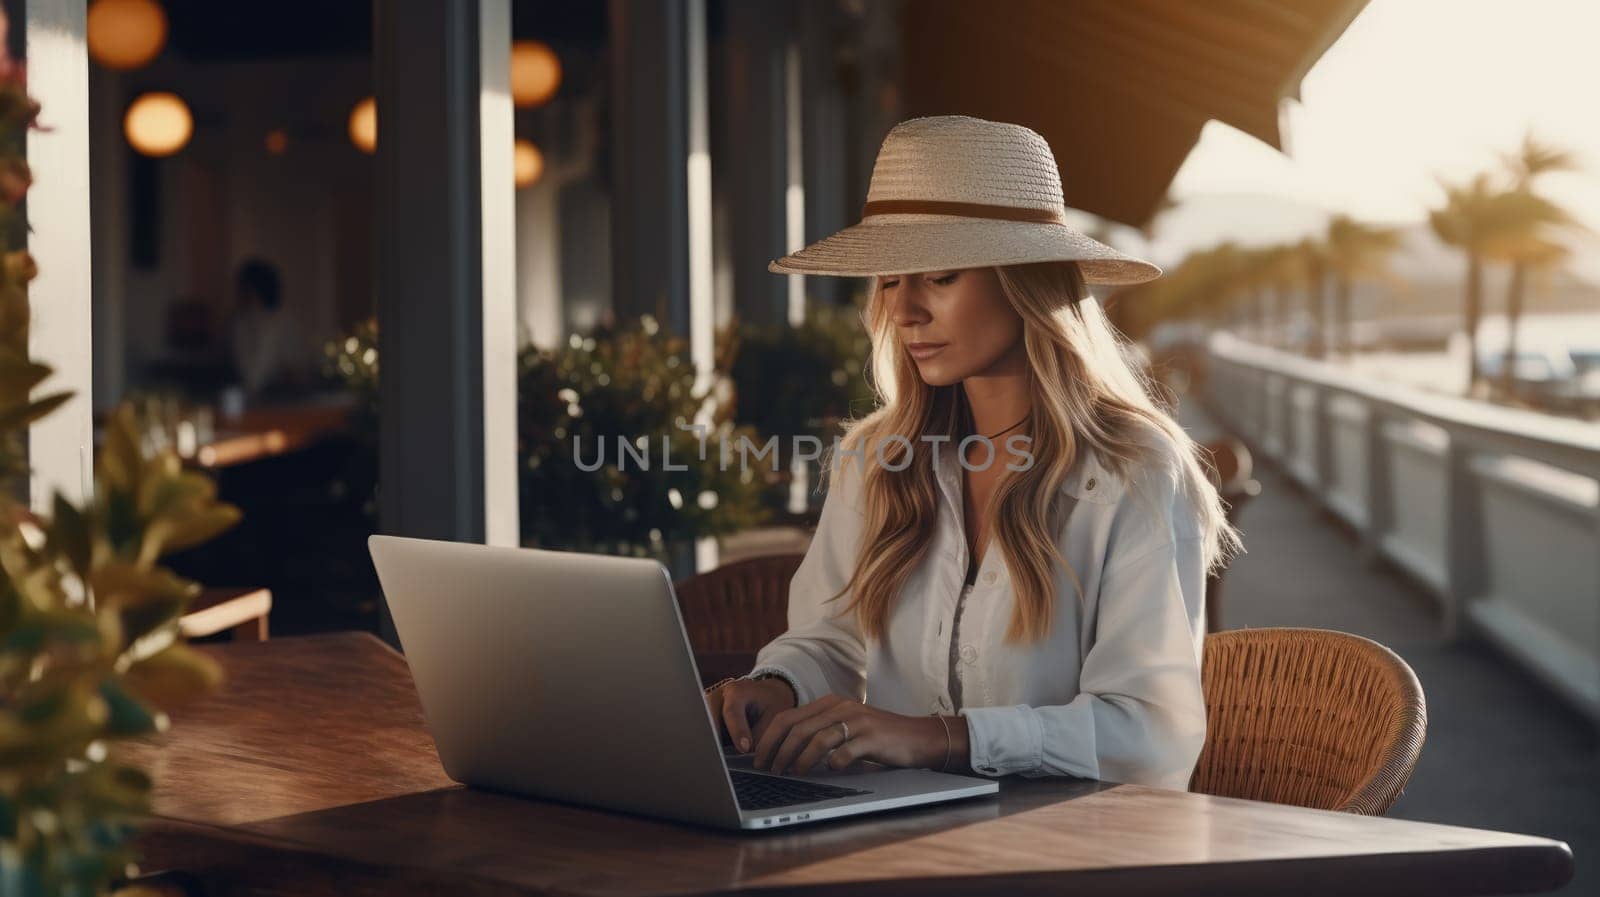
[[1120, 88]]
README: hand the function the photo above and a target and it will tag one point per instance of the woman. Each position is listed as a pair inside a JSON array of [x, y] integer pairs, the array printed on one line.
[[1010, 563]]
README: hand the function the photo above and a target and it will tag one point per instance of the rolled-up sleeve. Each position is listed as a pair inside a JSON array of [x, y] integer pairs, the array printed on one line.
[[823, 651], [1140, 715]]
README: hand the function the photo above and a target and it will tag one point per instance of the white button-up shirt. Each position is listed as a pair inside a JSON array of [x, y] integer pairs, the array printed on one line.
[[1111, 693]]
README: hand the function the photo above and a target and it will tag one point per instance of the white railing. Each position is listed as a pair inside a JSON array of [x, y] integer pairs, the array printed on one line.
[[1494, 511]]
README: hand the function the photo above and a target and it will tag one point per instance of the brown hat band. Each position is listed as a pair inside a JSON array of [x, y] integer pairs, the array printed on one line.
[[962, 209]]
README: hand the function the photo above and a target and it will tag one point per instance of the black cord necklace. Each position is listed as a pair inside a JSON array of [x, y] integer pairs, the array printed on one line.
[[1013, 426], [972, 561]]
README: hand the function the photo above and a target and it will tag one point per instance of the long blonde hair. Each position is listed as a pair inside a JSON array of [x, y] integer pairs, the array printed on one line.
[[1085, 394]]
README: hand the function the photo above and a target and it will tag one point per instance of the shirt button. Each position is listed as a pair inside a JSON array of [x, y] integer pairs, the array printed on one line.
[[1090, 485], [988, 577], [968, 654]]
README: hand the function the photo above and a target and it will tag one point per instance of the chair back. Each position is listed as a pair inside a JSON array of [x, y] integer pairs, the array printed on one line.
[[1309, 717], [1230, 461], [733, 611]]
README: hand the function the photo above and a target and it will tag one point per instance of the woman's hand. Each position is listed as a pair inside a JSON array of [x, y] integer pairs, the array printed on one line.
[[737, 704], [799, 739]]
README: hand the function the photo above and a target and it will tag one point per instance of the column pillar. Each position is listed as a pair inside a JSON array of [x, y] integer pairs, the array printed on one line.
[[60, 446], [758, 33], [446, 272]]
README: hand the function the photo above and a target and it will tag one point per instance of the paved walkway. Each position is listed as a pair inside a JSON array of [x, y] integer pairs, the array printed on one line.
[[1501, 752]]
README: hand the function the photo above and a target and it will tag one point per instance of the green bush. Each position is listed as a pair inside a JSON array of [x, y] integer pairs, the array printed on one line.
[[799, 381], [632, 383], [637, 384]]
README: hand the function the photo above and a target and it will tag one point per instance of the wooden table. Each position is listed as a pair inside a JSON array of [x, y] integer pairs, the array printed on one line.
[[312, 773], [271, 430]]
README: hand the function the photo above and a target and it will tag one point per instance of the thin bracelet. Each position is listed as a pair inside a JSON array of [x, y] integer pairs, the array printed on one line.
[[945, 765], [711, 688], [781, 677]]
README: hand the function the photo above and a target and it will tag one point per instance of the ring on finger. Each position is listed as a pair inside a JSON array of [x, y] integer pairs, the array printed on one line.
[[846, 727]]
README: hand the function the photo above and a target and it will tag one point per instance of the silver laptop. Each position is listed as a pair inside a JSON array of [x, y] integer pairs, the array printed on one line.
[[569, 676]]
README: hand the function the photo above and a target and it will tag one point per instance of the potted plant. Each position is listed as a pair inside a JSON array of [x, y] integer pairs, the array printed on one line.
[[574, 402], [90, 646]]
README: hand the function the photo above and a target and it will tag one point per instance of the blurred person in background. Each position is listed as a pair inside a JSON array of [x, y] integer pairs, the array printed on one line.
[[256, 333]]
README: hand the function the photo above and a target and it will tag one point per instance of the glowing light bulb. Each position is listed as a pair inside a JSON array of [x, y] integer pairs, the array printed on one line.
[[158, 124]]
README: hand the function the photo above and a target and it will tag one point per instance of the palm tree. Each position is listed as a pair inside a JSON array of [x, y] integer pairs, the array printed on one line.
[[1249, 289], [1259, 276], [1534, 159], [1203, 285], [1471, 221], [1535, 255], [1282, 271], [1312, 255], [1221, 278], [1355, 250], [1265, 278], [1531, 250]]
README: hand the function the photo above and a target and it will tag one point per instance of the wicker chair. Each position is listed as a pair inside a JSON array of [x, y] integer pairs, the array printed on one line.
[[732, 611], [1309, 717]]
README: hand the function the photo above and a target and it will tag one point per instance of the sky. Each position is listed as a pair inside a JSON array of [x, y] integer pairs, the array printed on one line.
[[1411, 90]]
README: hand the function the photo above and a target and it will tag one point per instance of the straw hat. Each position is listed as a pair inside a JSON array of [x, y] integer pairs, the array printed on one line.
[[953, 191]]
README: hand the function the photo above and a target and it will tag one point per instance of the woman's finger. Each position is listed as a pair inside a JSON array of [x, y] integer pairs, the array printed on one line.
[[800, 736], [736, 721], [782, 722], [714, 704], [849, 752], [824, 740], [764, 718]]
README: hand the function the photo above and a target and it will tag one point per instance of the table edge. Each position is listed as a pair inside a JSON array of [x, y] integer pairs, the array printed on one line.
[[1462, 872]]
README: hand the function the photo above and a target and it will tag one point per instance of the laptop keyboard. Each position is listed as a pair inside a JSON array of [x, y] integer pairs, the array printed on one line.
[[763, 792]]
